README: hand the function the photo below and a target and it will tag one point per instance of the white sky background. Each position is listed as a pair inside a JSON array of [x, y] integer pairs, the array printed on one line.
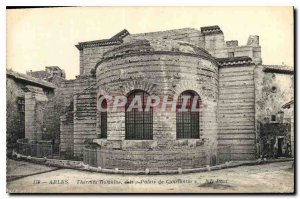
[[43, 37]]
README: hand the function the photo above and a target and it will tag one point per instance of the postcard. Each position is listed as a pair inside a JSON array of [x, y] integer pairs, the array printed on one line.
[[150, 100]]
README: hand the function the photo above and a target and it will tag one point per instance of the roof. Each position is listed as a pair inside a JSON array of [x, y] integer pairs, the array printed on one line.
[[209, 30], [278, 69], [152, 45], [167, 33], [29, 79], [115, 40], [39, 74], [53, 67], [231, 61], [288, 105], [118, 38]]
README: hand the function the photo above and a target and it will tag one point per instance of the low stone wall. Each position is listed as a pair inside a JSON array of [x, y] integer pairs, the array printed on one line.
[[142, 159], [36, 149], [167, 159], [90, 156], [68, 164]]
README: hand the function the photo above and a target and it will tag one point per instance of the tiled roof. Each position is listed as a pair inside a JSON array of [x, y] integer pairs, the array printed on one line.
[[278, 69], [115, 40], [209, 30], [39, 74], [288, 105], [29, 79], [244, 60]]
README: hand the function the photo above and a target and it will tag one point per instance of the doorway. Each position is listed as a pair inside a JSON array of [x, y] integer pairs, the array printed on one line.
[[280, 146]]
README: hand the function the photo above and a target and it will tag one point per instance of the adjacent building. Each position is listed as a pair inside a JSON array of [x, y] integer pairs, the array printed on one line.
[[26, 98], [49, 72]]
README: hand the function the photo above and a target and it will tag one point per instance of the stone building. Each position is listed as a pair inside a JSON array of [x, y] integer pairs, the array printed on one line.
[[175, 62], [274, 87], [289, 107], [228, 79], [49, 72], [26, 98]]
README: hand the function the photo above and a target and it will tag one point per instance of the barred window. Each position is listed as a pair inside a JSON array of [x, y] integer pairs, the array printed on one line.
[[187, 122], [138, 123], [103, 120]]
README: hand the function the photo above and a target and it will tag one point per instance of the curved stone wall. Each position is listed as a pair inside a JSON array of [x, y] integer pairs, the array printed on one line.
[[159, 71]]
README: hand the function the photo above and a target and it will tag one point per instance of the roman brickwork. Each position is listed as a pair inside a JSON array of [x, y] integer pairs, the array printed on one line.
[[84, 112], [224, 74], [160, 68], [67, 120], [78, 124]]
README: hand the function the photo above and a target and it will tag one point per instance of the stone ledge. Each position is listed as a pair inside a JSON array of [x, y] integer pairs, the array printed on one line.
[[69, 164], [139, 144]]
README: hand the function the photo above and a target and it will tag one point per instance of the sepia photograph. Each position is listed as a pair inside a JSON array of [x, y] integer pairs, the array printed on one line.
[[186, 99]]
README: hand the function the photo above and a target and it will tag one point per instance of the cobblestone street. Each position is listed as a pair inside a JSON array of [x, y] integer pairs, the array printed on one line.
[[27, 177]]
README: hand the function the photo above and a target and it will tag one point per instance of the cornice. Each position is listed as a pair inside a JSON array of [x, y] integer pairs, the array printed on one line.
[[235, 61], [115, 40]]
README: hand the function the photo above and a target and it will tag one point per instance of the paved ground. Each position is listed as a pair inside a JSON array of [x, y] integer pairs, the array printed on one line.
[[19, 169], [274, 177]]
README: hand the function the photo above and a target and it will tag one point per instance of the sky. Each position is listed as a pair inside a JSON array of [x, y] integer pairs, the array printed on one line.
[[47, 36]]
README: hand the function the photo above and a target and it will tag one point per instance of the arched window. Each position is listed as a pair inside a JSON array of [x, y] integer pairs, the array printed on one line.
[[187, 120], [103, 119], [138, 122]]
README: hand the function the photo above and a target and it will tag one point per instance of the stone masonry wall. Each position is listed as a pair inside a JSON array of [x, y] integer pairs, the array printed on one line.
[[160, 74], [84, 112], [251, 49], [140, 160], [272, 91], [35, 103], [169, 75], [190, 35], [67, 135], [90, 56], [67, 120], [236, 111], [15, 120]]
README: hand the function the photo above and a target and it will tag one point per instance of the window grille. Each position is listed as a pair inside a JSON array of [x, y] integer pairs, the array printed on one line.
[[187, 122], [138, 123]]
